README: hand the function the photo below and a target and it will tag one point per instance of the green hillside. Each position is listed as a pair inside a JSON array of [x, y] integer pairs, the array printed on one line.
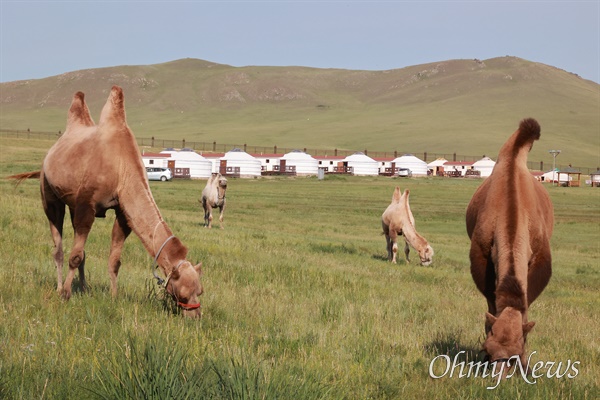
[[459, 106]]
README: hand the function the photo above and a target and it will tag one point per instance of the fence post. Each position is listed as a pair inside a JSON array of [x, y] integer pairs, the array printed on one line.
[[425, 156], [275, 149], [541, 166], [183, 143], [214, 147], [335, 152], [454, 157]]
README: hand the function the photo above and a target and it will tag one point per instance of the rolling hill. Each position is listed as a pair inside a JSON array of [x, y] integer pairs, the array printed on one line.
[[463, 106]]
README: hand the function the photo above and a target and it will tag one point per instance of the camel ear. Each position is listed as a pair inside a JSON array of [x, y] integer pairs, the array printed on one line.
[[490, 319], [79, 113], [198, 268], [528, 327], [114, 109]]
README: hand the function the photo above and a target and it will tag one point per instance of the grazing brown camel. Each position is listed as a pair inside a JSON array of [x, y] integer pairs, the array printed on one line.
[[213, 195], [93, 168], [398, 219], [509, 221]]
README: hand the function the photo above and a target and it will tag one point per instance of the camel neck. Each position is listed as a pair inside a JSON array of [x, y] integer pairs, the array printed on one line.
[[411, 234], [143, 216]]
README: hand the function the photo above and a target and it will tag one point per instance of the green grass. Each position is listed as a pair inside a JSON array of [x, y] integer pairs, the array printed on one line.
[[299, 301]]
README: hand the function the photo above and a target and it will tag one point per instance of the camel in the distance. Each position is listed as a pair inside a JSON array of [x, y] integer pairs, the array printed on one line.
[[510, 220], [93, 168], [398, 219], [213, 195]]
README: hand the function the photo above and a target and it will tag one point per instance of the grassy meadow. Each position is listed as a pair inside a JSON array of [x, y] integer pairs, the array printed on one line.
[[299, 302]]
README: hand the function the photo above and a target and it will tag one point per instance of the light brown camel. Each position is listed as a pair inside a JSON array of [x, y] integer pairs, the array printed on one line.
[[213, 195], [509, 221], [398, 219], [94, 168]]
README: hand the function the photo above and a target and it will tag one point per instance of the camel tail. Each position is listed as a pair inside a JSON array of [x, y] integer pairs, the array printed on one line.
[[25, 175], [529, 131]]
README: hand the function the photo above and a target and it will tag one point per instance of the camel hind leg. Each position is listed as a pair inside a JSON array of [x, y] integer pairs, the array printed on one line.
[[55, 213], [82, 218]]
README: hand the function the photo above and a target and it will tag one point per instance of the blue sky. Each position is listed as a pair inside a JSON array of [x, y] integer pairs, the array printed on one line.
[[45, 38]]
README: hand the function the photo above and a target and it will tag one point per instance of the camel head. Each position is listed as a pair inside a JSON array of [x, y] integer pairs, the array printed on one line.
[[185, 287], [426, 255], [506, 337], [222, 186]]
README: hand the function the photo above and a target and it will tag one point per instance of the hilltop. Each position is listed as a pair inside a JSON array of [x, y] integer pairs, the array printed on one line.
[[463, 106]]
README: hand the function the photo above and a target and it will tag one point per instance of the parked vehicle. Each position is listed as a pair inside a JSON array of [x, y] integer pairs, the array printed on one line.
[[159, 174]]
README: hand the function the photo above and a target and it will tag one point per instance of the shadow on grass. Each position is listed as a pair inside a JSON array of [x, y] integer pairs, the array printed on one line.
[[450, 344], [379, 257]]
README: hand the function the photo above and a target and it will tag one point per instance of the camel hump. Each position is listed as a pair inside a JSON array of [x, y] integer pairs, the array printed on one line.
[[79, 113], [529, 131], [114, 109], [397, 195]]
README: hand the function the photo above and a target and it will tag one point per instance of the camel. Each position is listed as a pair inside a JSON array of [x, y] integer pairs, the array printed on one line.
[[93, 168], [213, 195], [398, 219], [509, 221]]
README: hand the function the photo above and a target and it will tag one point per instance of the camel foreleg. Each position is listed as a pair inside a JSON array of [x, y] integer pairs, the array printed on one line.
[[221, 209], [120, 232], [207, 213], [406, 250], [483, 273]]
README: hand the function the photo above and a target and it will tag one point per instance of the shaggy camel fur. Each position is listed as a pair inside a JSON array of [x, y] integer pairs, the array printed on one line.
[[213, 195], [509, 221], [398, 219], [93, 168]]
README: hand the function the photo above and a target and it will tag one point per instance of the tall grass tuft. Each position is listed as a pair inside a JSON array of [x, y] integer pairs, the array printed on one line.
[[242, 379], [147, 370]]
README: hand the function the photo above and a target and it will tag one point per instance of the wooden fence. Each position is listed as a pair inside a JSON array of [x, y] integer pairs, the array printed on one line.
[[214, 147]]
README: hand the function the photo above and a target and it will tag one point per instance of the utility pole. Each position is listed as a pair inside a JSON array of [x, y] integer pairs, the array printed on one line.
[[554, 154]]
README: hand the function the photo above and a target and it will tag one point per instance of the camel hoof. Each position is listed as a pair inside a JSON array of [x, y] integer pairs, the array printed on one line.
[[65, 294]]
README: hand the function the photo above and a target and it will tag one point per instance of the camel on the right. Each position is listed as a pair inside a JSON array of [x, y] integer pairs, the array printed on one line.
[[510, 220]]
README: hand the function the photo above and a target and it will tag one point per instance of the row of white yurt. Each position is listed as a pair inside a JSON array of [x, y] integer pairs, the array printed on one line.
[[437, 166], [305, 164], [485, 166], [361, 164], [416, 166], [199, 167], [554, 176], [248, 165]]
